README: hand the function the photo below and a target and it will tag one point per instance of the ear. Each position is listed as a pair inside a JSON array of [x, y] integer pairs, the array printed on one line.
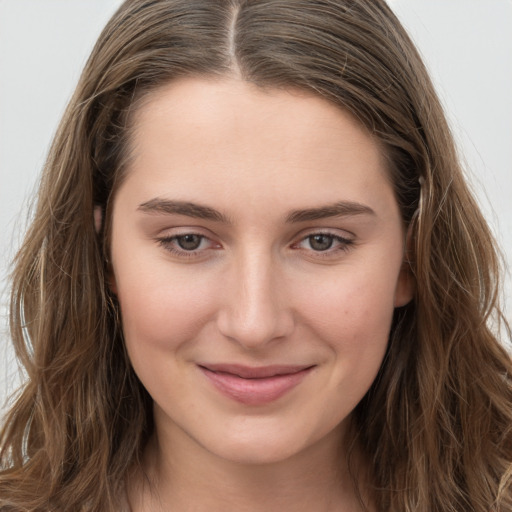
[[405, 286], [98, 224], [111, 279], [98, 219], [406, 283]]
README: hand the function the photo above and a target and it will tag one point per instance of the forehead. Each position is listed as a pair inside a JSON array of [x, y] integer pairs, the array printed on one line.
[[193, 103], [229, 139]]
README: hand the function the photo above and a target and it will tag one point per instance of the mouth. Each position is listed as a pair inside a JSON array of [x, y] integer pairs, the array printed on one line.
[[255, 385]]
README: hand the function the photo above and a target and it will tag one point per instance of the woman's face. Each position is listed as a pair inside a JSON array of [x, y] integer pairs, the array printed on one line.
[[257, 252]]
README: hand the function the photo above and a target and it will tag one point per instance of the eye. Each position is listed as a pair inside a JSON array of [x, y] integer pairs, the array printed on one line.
[[324, 243], [187, 245], [189, 242], [320, 242]]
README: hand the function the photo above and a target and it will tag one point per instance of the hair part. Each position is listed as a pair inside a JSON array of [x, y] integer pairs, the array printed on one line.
[[436, 424]]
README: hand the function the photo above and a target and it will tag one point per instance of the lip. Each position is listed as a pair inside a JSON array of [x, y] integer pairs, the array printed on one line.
[[255, 385]]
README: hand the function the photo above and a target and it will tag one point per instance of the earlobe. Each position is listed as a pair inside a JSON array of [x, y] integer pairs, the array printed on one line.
[[405, 286], [98, 219], [98, 225], [406, 283], [111, 279]]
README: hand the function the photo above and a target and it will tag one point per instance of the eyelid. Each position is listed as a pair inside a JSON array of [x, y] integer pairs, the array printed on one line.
[[334, 232], [344, 243], [169, 232], [168, 238]]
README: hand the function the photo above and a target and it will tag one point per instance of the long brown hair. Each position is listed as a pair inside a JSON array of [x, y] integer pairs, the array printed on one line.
[[435, 425]]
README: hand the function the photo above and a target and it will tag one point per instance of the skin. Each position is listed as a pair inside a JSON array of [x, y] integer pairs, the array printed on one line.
[[256, 291]]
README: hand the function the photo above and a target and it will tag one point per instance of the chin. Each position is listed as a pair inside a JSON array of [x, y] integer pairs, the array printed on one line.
[[255, 454], [263, 447]]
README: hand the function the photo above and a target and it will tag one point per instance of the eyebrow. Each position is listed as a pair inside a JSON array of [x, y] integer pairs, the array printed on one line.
[[167, 206], [198, 211], [339, 209]]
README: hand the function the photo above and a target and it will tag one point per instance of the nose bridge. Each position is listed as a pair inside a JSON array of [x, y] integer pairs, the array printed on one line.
[[256, 310]]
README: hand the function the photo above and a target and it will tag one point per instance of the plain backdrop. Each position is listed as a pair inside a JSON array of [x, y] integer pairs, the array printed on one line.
[[467, 45]]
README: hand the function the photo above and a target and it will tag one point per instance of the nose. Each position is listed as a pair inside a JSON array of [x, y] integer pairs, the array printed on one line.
[[255, 308]]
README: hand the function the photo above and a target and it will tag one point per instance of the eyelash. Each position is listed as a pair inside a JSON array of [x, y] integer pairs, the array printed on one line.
[[345, 244], [168, 243]]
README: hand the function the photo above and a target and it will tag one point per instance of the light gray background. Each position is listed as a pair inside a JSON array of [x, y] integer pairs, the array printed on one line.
[[467, 45]]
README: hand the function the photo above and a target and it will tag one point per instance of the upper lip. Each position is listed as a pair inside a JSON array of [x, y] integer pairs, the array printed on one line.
[[259, 372]]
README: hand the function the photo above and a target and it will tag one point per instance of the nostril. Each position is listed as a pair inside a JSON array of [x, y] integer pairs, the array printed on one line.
[[255, 328], [255, 310]]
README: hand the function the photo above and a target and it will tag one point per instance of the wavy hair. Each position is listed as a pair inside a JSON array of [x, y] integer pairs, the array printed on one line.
[[436, 424]]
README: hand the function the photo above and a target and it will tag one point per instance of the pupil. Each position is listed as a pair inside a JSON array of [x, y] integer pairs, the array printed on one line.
[[320, 242], [189, 242]]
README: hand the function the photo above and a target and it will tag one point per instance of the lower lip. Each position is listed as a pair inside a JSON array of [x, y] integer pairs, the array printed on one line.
[[255, 391]]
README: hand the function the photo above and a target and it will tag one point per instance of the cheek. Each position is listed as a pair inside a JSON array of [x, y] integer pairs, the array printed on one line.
[[162, 316], [350, 301], [162, 309], [352, 314]]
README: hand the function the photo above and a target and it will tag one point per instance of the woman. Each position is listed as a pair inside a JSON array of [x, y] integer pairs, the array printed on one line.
[[256, 278]]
